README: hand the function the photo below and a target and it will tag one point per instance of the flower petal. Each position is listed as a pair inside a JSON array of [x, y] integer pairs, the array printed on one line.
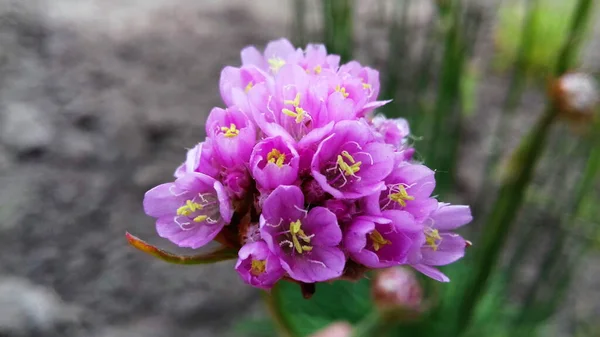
[[160, 201], [451, 248], [321, 264], [431, 272], [323, 224], [449, 217], [285, 202]]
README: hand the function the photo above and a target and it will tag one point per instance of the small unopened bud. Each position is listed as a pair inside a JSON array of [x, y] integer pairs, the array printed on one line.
[[577, 96], [397, 289]]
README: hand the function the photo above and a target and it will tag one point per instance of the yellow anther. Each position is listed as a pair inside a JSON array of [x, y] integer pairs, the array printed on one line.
[[297, 235], [276, 157], [200, 218], [298, 115], [318, 69], [349, 170], [248, 87], [378, 240], [366, 86], [295, 102], [348, 156], [258, 267], [432, 238], [189, 208], [230, 131], [342, 90], [401, 196], [298, 112], [275, 63]]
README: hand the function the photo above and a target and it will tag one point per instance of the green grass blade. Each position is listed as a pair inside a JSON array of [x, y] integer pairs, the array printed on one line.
[[337, 23]]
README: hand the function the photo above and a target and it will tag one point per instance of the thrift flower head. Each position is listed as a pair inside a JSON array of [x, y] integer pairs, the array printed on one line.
[[301, 178]]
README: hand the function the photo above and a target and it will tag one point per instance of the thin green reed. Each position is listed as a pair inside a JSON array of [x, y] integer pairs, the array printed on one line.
[[397, 59], [550, 211], [446, 118], [299, 22], [551, 265], [337, 23], [422, 76], [511, 101], [517, 179]]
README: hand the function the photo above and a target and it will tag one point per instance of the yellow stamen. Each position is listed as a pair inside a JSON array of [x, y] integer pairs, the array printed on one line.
[[276, 63], [349, 170], [258, 267], [298, 112], [276, 157], [318, 69], [189, 208], [342, 90], [366, 86], [378, 240], [200, 218], [230, 131], [248, 87], [297, 232], [295, 102], [401, 196], [432, 238]]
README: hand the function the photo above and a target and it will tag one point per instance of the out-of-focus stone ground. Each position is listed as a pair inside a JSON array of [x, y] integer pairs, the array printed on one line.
[[98, 101]]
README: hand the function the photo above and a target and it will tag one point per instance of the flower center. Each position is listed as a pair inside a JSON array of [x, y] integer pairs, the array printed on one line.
[[401, 196], [258, 267], [432, 238], [342, 90], [248, 86], [298, 112], [276, 157], [297, 235], [230, 131], [378, 240], [276, 63], [348, 169], [199, 209], [366, 85], [318, 69]]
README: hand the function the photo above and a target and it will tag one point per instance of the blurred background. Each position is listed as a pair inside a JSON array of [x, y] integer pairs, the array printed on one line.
[[99, 100]]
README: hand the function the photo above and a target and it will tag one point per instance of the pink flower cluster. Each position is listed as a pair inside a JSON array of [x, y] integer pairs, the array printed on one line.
[[300, 175]]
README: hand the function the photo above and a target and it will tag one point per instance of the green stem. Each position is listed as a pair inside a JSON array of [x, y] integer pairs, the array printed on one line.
[[445, 113], [337, 23], [423, 76], [396, 60], [569, 51], [514, 185], [502, 217], [513, 95], [299, 22], [582, 190], [368, 326], [549, 212]]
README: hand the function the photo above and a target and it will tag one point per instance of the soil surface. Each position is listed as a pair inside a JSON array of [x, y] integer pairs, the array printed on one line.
[[99, 100]]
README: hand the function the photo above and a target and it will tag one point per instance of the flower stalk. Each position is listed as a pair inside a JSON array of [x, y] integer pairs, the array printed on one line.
[[337, 22], [517, 180], [217, 255]]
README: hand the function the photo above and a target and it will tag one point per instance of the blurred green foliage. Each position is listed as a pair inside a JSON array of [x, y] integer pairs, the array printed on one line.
[[541, 215], [549, 27]]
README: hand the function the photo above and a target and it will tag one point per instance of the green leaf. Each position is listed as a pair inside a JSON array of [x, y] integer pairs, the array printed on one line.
[[256, 327], [338, 301], [220, 254]]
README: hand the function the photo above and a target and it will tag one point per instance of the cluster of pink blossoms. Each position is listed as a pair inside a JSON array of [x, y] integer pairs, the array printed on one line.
[[301, 177]]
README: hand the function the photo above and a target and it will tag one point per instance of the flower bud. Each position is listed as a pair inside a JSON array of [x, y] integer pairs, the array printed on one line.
[[576, 95], [397, 288]]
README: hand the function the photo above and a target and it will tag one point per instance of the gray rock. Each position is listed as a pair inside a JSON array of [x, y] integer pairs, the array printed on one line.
[[25, 128], [26, 308]]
